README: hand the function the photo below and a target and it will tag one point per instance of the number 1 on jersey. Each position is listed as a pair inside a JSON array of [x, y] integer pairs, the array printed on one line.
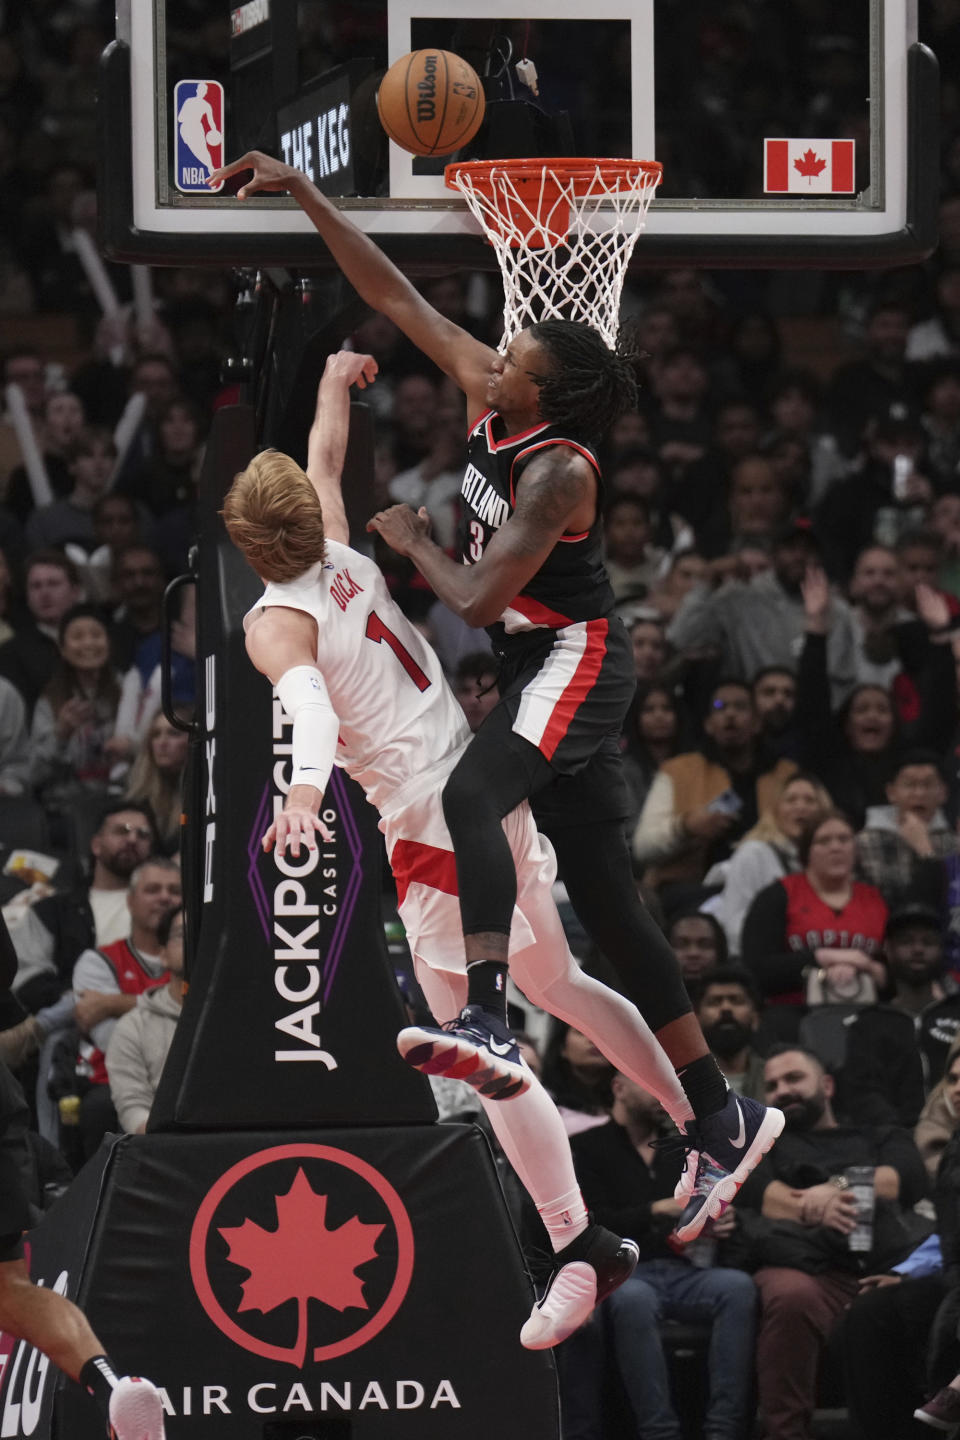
[[377, 631]]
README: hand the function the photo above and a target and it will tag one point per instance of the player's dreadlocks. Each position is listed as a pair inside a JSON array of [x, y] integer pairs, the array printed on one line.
[[589, 385]]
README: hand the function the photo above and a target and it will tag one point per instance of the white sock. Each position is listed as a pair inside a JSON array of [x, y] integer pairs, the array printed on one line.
[[532, 1136], [564, 1219]]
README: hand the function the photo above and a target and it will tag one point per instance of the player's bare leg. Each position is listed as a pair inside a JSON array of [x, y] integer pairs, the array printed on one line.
[[56, 1327]]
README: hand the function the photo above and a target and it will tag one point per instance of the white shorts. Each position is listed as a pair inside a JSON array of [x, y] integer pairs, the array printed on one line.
[[421, 856]]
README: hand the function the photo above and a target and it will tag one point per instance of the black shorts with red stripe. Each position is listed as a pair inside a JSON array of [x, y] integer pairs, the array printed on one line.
[[568, 690]]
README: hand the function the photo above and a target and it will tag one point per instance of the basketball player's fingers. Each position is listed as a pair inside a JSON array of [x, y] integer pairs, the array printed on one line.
[[234, 168], [270, 836]]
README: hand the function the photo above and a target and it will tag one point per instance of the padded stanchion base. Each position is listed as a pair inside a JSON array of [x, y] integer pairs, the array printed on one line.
[[360, 1284]]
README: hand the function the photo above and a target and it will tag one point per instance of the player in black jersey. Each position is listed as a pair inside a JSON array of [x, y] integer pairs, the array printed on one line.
[[131, 1407], [532, 497]]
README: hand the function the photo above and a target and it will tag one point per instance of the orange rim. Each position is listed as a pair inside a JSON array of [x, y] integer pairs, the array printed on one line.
[[562, 168]]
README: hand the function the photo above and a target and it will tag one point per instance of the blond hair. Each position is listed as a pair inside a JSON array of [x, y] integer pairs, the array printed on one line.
[[767, 829], [273, 514], [152, 786]]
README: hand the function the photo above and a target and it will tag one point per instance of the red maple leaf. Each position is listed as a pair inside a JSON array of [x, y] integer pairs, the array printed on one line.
[[301, 1259], [809, 163]]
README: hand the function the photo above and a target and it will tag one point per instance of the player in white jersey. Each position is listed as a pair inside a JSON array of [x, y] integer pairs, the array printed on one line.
[[367, 693]]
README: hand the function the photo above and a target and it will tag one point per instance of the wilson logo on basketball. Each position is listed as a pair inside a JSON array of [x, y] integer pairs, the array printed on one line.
[[427, 89], [301, 1253]]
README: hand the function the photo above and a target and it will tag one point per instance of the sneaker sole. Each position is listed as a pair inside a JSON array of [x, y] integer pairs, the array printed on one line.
[[687, 1183], [135, 1411], [946, 1427], [725, 1190], [490, 1075]]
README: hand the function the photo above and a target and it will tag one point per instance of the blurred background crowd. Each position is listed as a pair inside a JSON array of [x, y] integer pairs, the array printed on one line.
[[782, 530]]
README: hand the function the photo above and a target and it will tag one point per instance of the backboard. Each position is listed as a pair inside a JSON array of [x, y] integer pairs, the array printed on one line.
[[798, 133]]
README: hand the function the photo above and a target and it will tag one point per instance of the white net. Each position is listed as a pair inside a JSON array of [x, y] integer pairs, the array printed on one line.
[[563, 232]]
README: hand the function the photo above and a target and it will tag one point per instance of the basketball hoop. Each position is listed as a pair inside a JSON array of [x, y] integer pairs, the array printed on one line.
[[563, 232]]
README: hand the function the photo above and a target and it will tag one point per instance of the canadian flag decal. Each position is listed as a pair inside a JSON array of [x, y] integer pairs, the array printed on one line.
[[809, 167]]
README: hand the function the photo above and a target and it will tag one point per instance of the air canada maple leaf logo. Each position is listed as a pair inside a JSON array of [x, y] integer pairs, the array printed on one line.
[[322, 1248], [281, 1268]]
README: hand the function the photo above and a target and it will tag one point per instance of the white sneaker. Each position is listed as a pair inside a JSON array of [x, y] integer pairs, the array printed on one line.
[[135, 1410], [586, 1271], [567, 1304]]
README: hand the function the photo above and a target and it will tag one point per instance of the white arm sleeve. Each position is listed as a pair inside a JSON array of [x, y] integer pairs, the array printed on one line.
[[304, 697]]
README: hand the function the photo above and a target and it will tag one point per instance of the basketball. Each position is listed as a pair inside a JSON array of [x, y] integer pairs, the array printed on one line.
[[213, 137], [430, 102]]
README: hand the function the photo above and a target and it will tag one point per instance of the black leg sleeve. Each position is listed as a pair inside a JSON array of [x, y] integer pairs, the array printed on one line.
[[594, 864], [498, 770]]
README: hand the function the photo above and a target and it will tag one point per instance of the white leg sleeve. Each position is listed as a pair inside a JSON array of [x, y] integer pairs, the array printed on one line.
[[528, 1127]]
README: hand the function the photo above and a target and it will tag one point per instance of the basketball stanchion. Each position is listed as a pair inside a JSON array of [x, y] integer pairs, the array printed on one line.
[[563, 231], [295, 1250]]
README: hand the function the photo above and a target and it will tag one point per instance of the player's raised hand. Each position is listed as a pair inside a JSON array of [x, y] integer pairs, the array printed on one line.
[[268, 174], [352, 368], [401, 527], [932, 607], [816, 599]]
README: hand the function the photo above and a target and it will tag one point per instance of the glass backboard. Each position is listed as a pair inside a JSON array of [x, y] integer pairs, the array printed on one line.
[[801, 132]]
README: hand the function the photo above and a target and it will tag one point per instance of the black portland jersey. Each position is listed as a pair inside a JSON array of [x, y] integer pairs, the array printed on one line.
[[571, 585]]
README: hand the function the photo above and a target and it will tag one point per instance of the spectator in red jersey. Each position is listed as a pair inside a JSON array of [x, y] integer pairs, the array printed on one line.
[[106, 984], [819, 924]]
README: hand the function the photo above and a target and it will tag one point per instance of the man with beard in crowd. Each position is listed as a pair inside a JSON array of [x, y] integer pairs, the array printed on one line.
[[877, 611], [896, 1052], [775, 700], [728, 1008], [801, 1212], [57, 929]]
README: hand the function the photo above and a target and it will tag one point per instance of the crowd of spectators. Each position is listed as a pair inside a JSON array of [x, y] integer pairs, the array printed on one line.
[[782, 532]]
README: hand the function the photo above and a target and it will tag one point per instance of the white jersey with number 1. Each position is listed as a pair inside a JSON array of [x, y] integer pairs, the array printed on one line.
[[398, 716], [401, 733]]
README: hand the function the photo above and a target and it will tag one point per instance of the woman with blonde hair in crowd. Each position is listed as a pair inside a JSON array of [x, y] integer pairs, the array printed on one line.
[[156, 777], [768, 851], [941, 1113]]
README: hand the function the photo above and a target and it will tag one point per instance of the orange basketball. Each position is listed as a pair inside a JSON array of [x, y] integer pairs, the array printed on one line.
[[430, 102]]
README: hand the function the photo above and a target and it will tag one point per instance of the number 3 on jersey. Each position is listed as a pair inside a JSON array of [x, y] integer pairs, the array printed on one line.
[[475, 548], [377, 631]]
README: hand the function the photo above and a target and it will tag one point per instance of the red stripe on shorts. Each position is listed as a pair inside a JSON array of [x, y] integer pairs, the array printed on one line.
[[538, 613], [412, 862], [578, 689]]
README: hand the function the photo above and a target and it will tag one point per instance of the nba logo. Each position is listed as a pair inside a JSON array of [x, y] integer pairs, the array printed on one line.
[[198, 134]]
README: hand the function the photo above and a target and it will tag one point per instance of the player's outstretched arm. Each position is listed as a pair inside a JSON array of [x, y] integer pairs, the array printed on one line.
[[375, 278], [552, 496], [282, 644], [329, 432]]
